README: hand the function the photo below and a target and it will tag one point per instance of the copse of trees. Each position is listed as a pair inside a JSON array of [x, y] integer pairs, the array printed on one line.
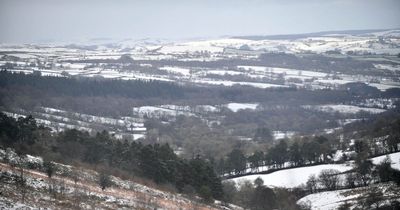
[[363, 175], [89, 87], [257, 196], [157, 162], [308, 151]]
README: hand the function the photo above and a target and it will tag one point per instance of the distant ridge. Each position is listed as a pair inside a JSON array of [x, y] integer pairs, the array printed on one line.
[[305, 35]]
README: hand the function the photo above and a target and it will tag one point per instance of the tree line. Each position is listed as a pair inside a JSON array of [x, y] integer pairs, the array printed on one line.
[[63, 86], [311, 151], [315, 150], [155, 162]]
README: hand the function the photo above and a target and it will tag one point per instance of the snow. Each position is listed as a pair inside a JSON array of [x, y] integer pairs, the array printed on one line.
[[383, 87], [394, 157], [285, 71], [176, 70], [22, 55], [190, 47], [334, 81], [158, 111], [290, 178], [232, 83], [58, 120], [138, 136], [11, 205], [234, 107], [339, 154], [224, 72], [282, 134], [332, 200], [207, 108], [212, 50], [326, 200], [77, 65], [318, 44], [345, 109], [387, 67]]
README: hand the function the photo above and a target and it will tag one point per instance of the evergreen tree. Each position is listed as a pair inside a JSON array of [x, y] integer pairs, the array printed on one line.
[[295, 154], [237, 161]]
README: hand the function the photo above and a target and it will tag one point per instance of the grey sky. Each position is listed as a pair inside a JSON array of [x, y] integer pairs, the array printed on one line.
[[69, 20]]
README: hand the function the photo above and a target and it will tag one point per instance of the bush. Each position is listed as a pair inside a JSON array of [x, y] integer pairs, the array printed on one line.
[[49, 168], [384, 170], [104, 181], [206, 194], [312, 183], [229, 190]]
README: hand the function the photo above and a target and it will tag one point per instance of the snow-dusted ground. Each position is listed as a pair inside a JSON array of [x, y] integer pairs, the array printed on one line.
[[321, 44], [332, 200], [329, 200], [387, 67], [290, 178], [123, 194], [210, 50], [59, 120], [282, 134], [284, 71], [176, 70], [345, 109], [394, 157], [11, 205], [162, 111], [234, 107], [295, 177], [232, 83], [382, 103]]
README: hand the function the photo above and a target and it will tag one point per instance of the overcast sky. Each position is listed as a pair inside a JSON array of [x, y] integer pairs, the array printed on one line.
[[69, 20]]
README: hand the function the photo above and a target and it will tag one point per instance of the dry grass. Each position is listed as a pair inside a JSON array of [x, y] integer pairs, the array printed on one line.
[[87, 194]]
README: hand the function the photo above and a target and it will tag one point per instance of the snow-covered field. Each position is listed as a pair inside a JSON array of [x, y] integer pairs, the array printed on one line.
[[394, 157], [329, 200], [176, 70], [234, 107], [232, 83], [58, 60], [290, 178], [345, 109], [387, 67], [332, 200], [321, 44], [59, 120], [282, 134]]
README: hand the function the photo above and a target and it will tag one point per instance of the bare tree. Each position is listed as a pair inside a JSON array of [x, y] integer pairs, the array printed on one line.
[[312, 183], [373, 199], [20, 178], [329, 178], [351, 180]]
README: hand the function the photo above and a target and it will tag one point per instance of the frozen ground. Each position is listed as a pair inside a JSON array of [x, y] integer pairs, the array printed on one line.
[[124, 194], [290, 178], [295, 177], [234, 107], [329, 200], [345, 109], [394, 157], [332, 200]]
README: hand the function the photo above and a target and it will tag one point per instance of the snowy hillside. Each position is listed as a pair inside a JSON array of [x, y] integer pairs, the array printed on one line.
[[78, 188], [291, 178], [379, 48]]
